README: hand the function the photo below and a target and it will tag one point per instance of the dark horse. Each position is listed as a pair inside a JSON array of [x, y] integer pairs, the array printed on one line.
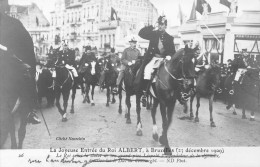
[[110, 73], [207, 84], [91, 72], [14, 82], [244, 89], [45, 87], [129, 77], [63, 84], [174, 77]]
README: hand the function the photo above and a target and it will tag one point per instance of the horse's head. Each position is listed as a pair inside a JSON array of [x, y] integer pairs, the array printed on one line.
[[183, 62], [214, 74]]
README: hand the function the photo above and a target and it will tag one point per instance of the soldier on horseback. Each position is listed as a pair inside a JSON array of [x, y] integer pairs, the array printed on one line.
[[161, 46], [129, 56], [19, 44], [67, 58]]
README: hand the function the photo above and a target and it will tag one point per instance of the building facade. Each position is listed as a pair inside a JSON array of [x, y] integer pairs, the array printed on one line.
[[232, 33], [88, 22], [35, 23]]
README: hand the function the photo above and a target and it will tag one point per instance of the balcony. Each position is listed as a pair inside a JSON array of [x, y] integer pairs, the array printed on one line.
[[108, 25]]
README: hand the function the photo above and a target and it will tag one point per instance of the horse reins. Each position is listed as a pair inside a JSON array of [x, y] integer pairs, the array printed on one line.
[[166, 69], [65, 80]]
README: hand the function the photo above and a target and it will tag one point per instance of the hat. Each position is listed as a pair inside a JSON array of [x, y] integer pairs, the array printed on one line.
[[113, 50], [162, 20], [133, 40]]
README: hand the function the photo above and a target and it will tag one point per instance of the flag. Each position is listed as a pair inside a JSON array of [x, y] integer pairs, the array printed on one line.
[[199, 6], [37, 21], [113, 14], [225, 3], [180, 14], [193, 12]]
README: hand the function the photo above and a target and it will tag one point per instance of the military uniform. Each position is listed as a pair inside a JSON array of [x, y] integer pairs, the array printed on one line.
[[67, 58], [160, 46], [129, 55]]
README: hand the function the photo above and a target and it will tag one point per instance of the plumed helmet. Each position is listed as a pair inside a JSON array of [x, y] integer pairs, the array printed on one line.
[[162, 20], [133, 40]]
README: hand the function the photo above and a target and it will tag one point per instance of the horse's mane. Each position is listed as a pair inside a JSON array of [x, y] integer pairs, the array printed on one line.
[[177, 56]]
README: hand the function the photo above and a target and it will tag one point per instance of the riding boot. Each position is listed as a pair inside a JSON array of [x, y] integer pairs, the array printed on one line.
[[77, 82], [147, 84]]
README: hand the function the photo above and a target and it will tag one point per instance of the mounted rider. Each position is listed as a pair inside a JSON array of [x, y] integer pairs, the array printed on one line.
[[66, 57], [161, 46], [129, 57], [105, 56], [16, 41]]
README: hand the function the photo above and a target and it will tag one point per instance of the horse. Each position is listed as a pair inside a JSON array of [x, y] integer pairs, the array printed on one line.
[[207, 84], [15, 81], [174, 79], [64, 83], [110, 67], [45, 86], [244, 89], [129, 77], [91, 72]]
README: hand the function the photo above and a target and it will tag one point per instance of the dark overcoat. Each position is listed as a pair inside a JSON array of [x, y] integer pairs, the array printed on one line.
[[153, 36]]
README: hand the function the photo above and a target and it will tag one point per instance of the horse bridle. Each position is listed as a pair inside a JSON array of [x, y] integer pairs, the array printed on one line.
[[64, 80], [178, 79], [184, 96]]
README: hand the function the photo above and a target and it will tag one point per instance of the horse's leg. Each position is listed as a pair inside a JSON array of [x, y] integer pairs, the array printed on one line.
[[198, 106], [74, 89], [191, 107], [153, 113], [23, 122], [128, 104], [12, 132], [86, 99], [113, 97], [148, 103], [243, 111], [138, 112], [65, 96], [108, 96], [211, 99], [92, 95], [57, 98], [170, 108], [120, 100], [4, 122], [163, 137]]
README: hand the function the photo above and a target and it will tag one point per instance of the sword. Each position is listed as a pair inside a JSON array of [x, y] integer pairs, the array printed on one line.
[[45, 121]]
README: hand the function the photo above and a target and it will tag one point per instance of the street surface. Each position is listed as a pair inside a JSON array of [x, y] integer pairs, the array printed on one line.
[[101, 126]]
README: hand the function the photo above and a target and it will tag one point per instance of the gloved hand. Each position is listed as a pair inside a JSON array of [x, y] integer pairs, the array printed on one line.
[[168, 57], [129, 64]]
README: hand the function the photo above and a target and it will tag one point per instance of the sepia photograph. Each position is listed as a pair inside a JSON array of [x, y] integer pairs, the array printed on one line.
[[129, 82]]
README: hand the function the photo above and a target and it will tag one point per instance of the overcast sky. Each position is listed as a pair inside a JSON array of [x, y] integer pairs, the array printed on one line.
[[168, 7]]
